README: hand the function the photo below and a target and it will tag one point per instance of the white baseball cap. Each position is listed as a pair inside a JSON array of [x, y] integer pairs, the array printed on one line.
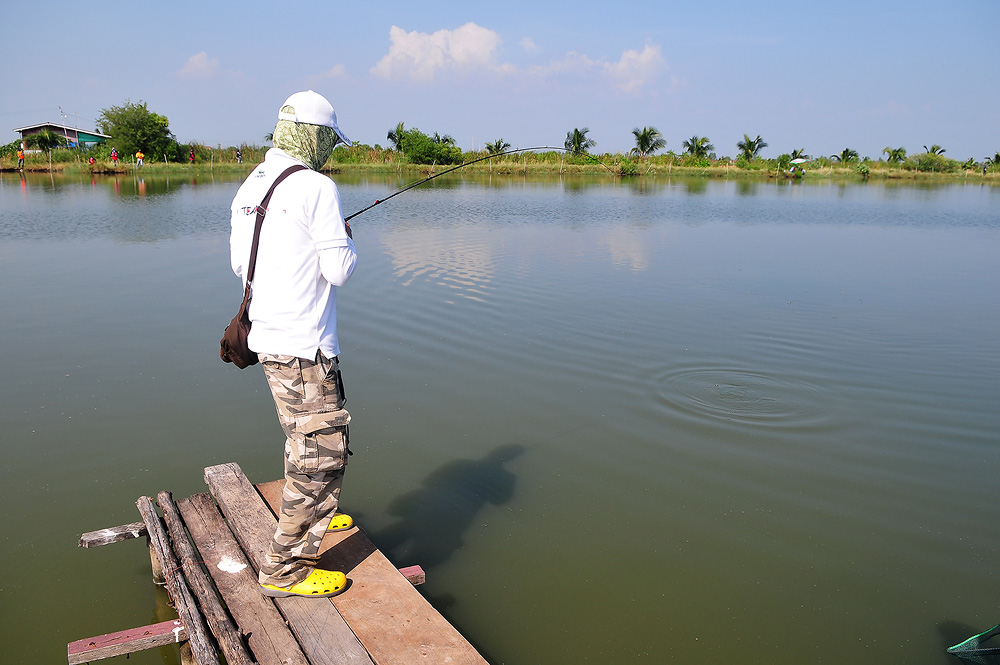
[[312, 108]]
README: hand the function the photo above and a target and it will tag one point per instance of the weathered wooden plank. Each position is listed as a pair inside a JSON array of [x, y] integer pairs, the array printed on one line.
[[270, 639], [323, 634], [198, 637], [126, 641], [390, 617], [112, 535], [216, 616]]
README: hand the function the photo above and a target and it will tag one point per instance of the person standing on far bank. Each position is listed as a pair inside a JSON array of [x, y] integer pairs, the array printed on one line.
[[306, 251]]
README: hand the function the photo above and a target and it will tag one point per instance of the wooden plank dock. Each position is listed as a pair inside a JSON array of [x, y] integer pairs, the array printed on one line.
[[207, 549]]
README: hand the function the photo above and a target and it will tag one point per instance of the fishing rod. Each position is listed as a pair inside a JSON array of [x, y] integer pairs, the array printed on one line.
[[464, 164]]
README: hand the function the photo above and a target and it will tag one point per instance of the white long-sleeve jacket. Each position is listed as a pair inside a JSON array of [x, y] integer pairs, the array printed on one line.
[[304, 255]]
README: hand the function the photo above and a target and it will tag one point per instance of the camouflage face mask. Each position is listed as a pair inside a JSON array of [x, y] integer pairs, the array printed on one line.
[[312, 144]]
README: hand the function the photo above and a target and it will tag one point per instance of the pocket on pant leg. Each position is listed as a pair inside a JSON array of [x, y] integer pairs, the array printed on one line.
[[324, 446], [331, 449]]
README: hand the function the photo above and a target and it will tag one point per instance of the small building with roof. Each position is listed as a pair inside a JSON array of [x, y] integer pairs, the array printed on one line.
[[74, 136]]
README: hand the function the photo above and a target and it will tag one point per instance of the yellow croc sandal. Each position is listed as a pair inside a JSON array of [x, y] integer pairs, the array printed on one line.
[[319, 584], [340, 522]]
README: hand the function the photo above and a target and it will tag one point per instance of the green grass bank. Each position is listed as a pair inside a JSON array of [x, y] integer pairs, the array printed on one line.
[[379, 160]]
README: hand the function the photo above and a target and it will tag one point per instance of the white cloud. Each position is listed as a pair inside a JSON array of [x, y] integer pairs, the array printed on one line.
[[419, 56], [634, 70], [199, 65], [337, 71]]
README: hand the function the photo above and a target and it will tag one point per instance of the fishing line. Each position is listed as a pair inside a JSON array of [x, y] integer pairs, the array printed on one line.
[[463, 164]]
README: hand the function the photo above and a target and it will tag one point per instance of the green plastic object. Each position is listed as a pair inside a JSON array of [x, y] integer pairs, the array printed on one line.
[[975, 650]]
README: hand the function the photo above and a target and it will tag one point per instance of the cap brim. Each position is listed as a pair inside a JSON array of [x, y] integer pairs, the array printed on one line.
[[346, 141]]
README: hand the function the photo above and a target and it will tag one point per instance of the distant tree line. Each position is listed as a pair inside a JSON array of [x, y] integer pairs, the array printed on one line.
[[699, 151], [133, 127]]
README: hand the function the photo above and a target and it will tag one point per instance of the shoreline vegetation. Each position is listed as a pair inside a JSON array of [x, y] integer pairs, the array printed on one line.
[[365, 159], [140, 135]]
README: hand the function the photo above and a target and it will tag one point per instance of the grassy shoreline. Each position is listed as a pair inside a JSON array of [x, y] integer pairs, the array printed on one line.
[[612, 166]]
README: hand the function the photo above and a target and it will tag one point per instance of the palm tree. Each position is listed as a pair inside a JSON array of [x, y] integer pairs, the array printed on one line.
[[577, 141], [846, 155], [269, 137], [395, 137], [44, 140], [750, 147], [497, 147], [934, 150], [894, 155], [698, 146], [647, 140], [444, 140], [799, 154]]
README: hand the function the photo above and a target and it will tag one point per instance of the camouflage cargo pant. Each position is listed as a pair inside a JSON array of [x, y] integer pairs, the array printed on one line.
[[309, 396]]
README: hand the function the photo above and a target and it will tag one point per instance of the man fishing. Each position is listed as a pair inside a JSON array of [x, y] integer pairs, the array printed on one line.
[[306, 251]]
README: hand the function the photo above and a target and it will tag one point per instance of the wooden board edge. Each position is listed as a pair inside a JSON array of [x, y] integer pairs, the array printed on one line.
[[112, 535], [126, 641]]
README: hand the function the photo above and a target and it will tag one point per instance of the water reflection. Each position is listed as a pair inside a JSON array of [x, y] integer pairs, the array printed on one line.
[[645, 186], [628, 249], [696, 185], [460, 259]]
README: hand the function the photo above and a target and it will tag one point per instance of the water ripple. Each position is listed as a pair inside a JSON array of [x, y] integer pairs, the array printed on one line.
[[740, 396], [461, 262]]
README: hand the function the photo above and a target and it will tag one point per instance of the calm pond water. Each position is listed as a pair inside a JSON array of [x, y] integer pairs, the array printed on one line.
[[644, 422]]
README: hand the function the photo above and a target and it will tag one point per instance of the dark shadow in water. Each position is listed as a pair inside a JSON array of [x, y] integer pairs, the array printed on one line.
[[433, 518], [955, 632]]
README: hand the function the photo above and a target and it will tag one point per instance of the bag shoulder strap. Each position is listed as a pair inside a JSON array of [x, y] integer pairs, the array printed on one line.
[[261, 211]]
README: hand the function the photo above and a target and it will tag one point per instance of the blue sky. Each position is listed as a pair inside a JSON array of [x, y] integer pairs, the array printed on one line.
[[819, 76]]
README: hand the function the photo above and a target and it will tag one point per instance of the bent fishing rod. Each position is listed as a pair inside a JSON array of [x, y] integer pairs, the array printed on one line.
[[464, 164]]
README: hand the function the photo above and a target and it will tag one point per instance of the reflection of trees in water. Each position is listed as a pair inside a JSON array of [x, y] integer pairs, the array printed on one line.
[[645, 185], [434, 518], [125, 208], [696, 185]]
